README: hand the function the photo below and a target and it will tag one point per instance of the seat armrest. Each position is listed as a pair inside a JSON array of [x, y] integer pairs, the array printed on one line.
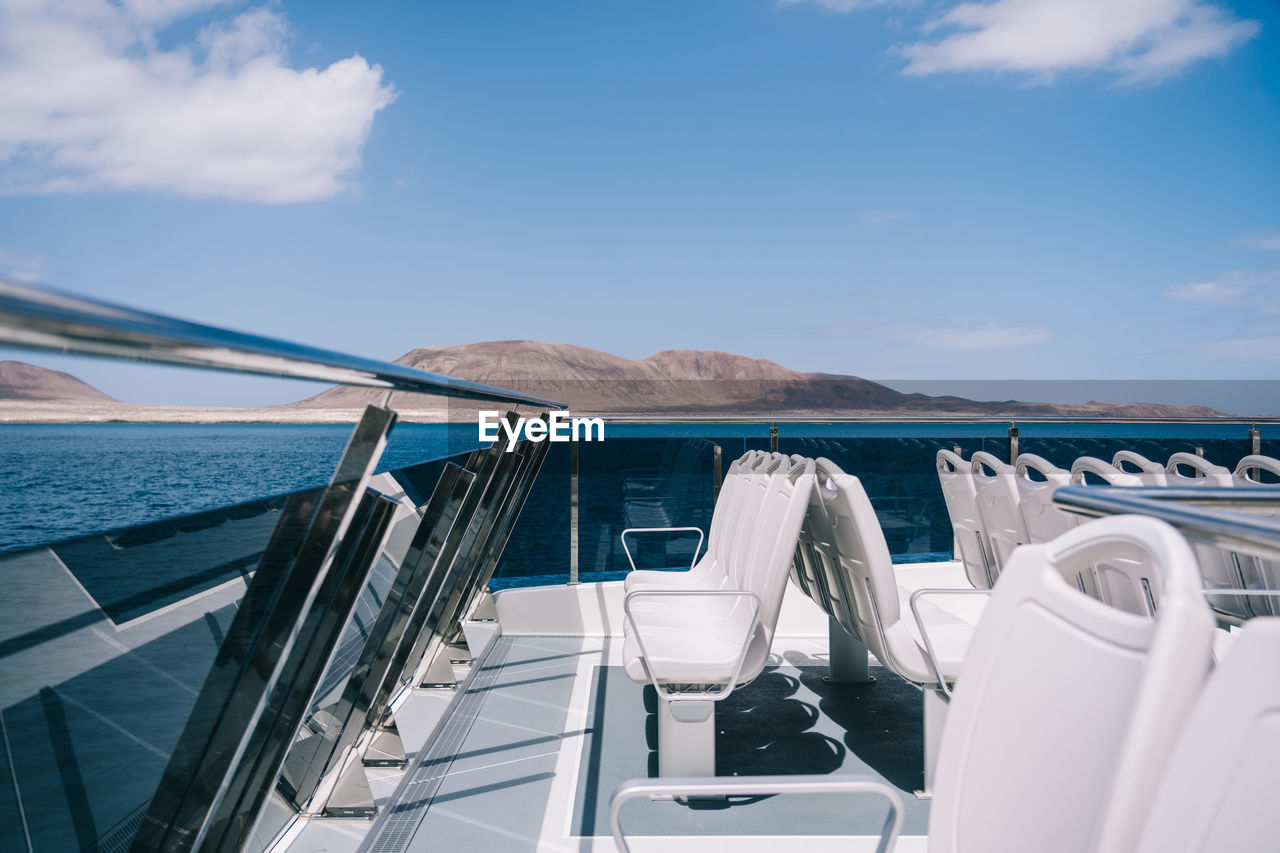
[[696, 551], [753, 786], [929, 653], [687, 594]]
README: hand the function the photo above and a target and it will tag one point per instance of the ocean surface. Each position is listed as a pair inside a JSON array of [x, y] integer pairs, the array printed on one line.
[[59, 481]]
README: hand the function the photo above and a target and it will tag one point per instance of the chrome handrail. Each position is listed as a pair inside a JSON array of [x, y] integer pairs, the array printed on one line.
[[1215, 515], [754, 786], [44, 319]]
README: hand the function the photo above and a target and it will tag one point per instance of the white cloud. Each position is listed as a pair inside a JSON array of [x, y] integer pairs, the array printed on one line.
[[1242, 324], [1255, 290], [836, 5], [879, 217], [21, 265], [1140, 40], [976, 336], [1256, 348], [88, 101], [1264, 240]]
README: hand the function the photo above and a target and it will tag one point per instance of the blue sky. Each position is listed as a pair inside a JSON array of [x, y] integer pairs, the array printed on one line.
[[1021, 189]]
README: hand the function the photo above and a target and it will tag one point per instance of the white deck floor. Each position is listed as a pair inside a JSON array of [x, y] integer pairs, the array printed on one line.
[[546, 725]]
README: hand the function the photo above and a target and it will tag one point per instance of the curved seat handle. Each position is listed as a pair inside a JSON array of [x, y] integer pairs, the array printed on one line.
[[1134, 537], [949, 462], [1137, 460], [1199, 464], [1111, 474], [982, 459], [1256, 463], [1030, 461]]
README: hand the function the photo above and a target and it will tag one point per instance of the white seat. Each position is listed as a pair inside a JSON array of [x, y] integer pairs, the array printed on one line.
[[1067, 711], [1065, 707], [698, 650], [1257, 572], [733, 508], [1219, 567], [1218, 790], [960, 493], [996, 491], [845, 535], [1149, 472], [1043, 521]]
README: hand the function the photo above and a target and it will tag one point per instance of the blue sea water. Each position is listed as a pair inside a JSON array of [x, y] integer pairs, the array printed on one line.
[[63, 480]]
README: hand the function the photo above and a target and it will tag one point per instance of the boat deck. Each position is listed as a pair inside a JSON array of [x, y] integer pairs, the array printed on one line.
[[546, 726]]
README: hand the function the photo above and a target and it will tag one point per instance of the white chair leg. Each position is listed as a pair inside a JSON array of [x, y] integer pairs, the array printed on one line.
[[848, 656], [686, 737], [935, 718]]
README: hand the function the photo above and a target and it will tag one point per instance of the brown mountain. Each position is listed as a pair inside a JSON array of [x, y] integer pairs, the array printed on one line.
[[690, 382], [22, 381]]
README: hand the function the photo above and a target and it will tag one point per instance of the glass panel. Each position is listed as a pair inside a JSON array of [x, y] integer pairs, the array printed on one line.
[[660, 474], [267, 667], [99, 670], [356, 675], [496, 471]]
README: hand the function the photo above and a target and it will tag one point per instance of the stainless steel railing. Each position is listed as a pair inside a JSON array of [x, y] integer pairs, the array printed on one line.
[[1235, 518], [43, 319]]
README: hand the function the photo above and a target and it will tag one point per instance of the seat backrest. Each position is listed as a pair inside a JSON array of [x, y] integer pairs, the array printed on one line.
[[853, 546], [1218, 789], [996, 492], [729, 502], [1124, 584], [1219, 567], [1064, 706], [1130, 462], [961, 497], [776, 532], [810, 571], [739, 529], [1042, 519]]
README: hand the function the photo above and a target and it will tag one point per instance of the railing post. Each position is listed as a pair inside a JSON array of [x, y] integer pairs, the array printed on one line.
[[773, 438], [717, 473], [1255, 440], [573, 512], [1013, 444]]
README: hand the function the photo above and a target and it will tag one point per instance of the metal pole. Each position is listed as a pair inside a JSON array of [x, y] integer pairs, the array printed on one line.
[[773, 438], [717, 472], [573, 512], [1255, 440], [1013, 444]]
